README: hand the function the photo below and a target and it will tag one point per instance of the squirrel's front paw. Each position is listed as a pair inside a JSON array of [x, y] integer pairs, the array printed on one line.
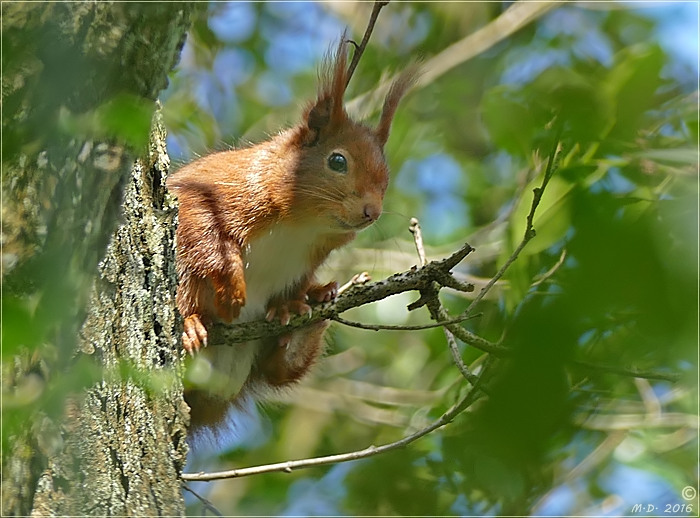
[[229, 298], [194, 336], [285, 308], [323, 293]]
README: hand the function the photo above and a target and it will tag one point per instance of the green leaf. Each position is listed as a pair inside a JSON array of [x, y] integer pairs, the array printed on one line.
[[510, 123], [125, 117], [577, 102], [632, 84], [19, 327]]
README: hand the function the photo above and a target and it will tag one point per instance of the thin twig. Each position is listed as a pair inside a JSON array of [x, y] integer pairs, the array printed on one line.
[[546, 275], [414, 228], [289, 466], [436, 310], [518, 15], [358, 278], [359, 49], [478, 388], [529, 228], [207, 504], [457, 358], [472, 339], [633, 373], [385, 327]]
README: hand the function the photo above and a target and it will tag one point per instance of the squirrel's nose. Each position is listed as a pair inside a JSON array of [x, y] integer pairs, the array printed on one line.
[[372, 212]]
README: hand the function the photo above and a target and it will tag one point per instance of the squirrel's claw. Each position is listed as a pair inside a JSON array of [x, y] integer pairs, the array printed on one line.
[[323, 293], [194, 336], [285, 309], [284, 340]]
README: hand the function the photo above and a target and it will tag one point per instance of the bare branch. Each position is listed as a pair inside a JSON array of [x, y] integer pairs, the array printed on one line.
[[359, 49], [289, 466], [384, 327], [358, 295], [430, 298], [470, 338], [457, 358]]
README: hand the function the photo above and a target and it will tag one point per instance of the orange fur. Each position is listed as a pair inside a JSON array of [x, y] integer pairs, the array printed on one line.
[[256, 223]]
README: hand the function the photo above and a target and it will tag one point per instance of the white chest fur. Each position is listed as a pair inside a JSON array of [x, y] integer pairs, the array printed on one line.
[[275, 261]]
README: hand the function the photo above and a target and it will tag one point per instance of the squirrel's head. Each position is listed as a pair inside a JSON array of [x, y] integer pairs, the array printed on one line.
[[342, 172]]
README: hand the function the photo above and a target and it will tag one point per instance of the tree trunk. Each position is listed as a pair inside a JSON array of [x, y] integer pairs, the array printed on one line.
[[93, 416]]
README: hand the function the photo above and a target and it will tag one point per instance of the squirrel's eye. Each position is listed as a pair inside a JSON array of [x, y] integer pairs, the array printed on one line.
[[338, 163]]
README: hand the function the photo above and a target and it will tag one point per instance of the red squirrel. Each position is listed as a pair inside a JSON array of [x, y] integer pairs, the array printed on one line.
[[255, 224]]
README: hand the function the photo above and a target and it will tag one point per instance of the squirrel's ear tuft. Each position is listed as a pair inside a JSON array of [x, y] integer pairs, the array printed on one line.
[[397, 90], [328, 110]]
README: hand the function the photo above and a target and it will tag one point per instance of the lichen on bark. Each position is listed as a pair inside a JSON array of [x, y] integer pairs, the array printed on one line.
[[126, 440], [94, 421]]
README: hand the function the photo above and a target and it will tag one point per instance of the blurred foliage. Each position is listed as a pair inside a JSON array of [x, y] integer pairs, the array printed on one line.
[[79, 83], [611, 278]]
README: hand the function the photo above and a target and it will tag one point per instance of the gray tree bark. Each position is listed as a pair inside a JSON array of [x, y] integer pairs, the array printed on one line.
[[93, 416]]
